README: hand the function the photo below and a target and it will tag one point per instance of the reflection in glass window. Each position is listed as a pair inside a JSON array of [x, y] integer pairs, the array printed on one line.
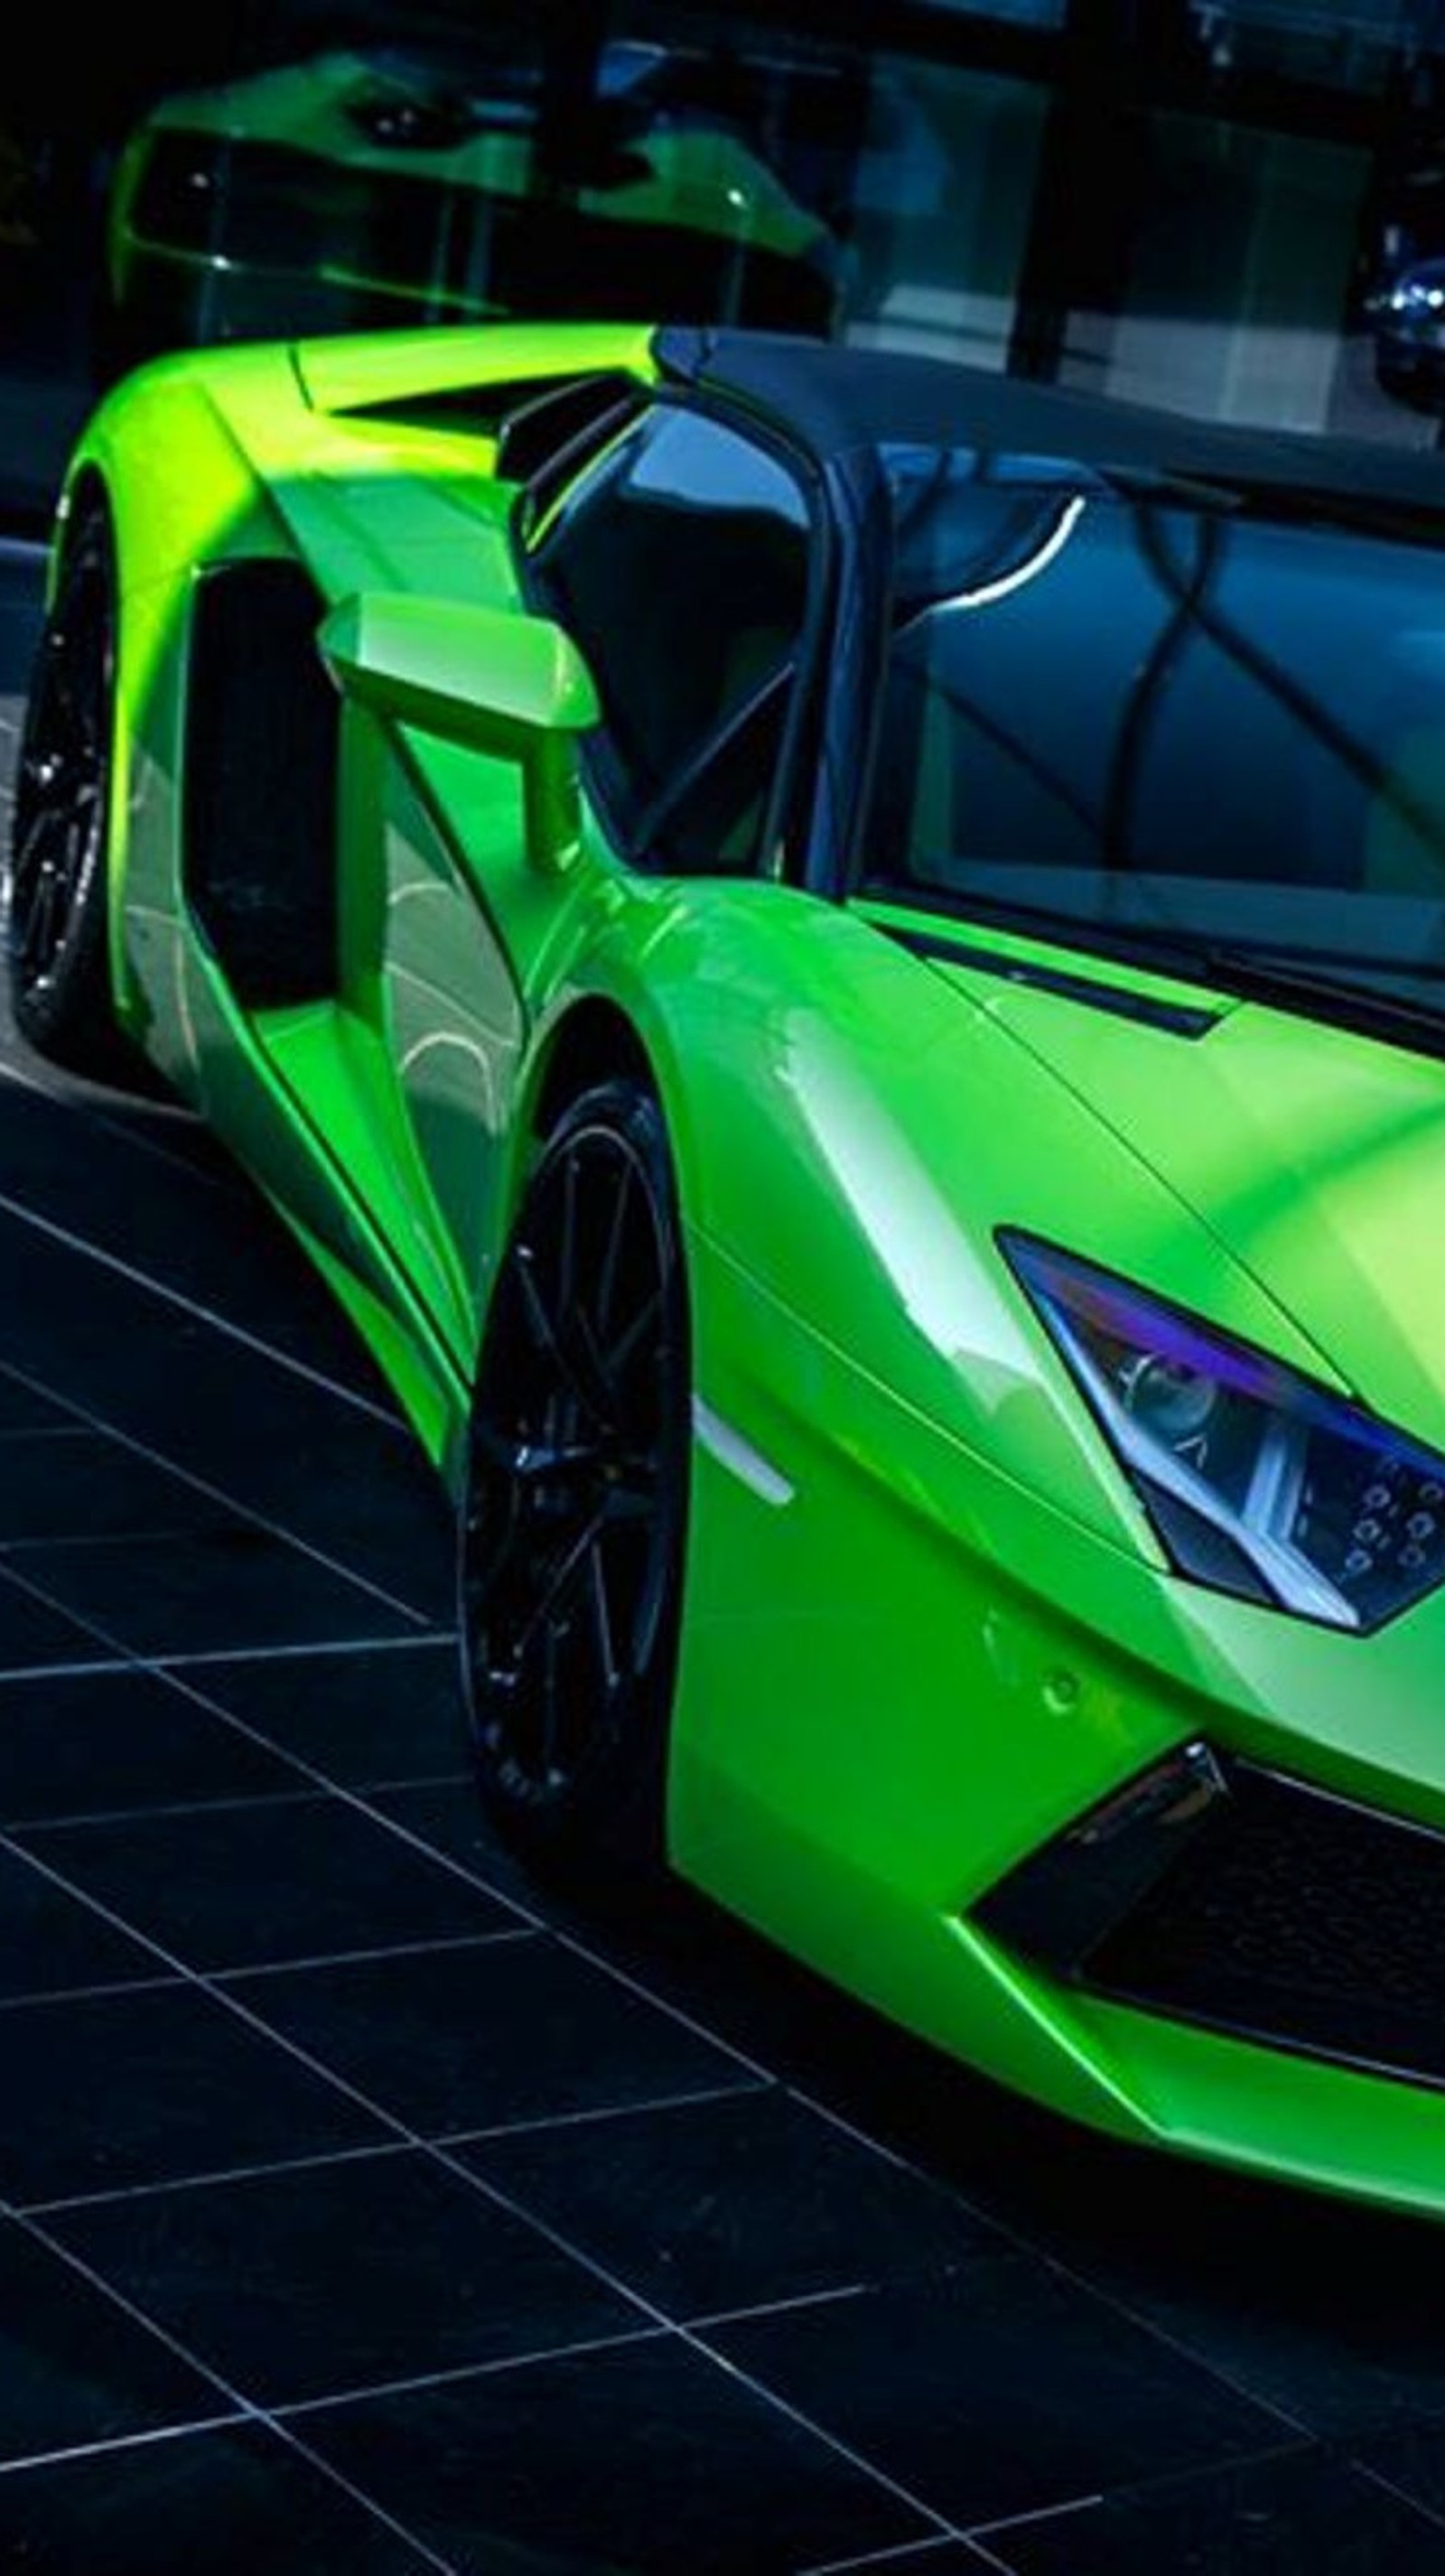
[[682, 571], [1192, 721]]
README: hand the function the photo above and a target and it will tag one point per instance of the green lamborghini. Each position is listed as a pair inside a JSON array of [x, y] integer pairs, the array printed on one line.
[[842, 964]]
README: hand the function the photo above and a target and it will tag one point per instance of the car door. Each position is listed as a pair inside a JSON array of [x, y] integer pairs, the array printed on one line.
[[681, 560], [686, 564]]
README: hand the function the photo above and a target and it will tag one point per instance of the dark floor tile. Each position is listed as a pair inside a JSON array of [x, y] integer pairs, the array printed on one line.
[[395, 1714], [342, 1474], [374, 1502], [50, 1941], [110, 2090], [1006, 2389], [342, 2276], [217, 1589], [74, 2367], [725, 2204], [360, 1489], [1301, 2513], [451, 2040], [24, 1408], [235, 1887], [145, 1183], [93, 1487], [237, 2498], [1328, 2313], [944, 2558], [640, 2462], [32, 1635], [448, 1814], [1410, 2457], [73, 1744]]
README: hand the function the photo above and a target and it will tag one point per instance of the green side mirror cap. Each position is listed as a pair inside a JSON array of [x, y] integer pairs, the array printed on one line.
[[491, 680]]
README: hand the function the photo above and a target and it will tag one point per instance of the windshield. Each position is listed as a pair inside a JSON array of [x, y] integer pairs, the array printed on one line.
[[1153, 715]]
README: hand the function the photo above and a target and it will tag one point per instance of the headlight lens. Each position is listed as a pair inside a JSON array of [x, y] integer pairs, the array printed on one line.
[[1256, 1480]]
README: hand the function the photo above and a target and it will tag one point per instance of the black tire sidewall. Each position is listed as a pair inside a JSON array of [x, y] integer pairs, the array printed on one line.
[[71, 1016], [612, 1816]]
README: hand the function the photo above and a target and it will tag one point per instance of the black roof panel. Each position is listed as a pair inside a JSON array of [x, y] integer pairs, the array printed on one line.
[[832, 398]]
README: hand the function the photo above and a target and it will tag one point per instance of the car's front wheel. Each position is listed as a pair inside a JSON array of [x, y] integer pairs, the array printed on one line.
[[59, 969], [574, 1518]]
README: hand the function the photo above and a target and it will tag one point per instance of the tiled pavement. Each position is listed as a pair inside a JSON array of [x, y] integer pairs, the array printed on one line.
[[360, 2211]]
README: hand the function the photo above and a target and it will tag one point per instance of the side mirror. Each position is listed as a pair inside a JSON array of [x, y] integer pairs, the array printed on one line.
[[513, 686]]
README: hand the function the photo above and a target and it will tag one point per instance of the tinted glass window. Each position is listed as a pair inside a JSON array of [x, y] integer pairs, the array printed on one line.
[[715, 822], [1193, 721], [681, 568]]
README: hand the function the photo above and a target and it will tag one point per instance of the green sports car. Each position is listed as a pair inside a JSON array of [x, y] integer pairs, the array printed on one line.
[[840, 962]]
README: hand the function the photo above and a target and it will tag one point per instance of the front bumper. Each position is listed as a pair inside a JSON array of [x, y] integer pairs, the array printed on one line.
[[910, 1688], [1251, 1903]]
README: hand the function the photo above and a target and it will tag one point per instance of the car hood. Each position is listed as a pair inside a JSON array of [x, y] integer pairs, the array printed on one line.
[[1315, 1156]]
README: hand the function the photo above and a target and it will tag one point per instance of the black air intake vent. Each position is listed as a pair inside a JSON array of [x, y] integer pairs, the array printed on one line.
[[1282, 1914]]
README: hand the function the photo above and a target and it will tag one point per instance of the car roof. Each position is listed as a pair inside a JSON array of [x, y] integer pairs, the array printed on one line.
[[831, 399]]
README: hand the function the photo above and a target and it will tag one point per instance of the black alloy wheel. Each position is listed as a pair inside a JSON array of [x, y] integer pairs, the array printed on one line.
[[574, 1518], [59, 970]]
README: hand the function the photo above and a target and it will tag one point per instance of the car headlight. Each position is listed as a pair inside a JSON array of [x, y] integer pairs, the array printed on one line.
[[1257, 1481]]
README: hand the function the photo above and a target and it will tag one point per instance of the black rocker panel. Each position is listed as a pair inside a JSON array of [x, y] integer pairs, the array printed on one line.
[[259, 834]]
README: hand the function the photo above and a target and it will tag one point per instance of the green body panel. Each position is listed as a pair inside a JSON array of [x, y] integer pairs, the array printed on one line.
[[926, 1623]]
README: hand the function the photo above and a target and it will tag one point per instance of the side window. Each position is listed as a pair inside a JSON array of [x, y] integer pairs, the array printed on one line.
[[681, 568]]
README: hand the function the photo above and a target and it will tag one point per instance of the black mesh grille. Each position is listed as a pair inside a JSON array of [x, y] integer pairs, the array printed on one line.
[[1212, 1891], [1294, 1917]]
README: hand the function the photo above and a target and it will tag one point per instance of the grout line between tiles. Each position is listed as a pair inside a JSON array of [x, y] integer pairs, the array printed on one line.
[[112, 1986], [832, 2297], [436, 1640], [587, 2345], [1378, 2477], [192, 1306], [1000, 2523], [1012, 2239], [123, 1659], [448, 1942], [82, 1817], [611, 2111], [245, 2409], [44, 1431], [387, 2147], [120, 2442], [861, 2137], [156, 1534], [240, 1511], [437, 2151], [884, 2558], [208, 2181]]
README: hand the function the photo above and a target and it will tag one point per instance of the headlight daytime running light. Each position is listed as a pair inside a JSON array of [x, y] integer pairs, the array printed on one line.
[[1256, 1480]]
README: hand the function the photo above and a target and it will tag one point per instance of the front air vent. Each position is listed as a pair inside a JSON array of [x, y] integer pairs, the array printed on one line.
[[259, 842], [1216, 1892]]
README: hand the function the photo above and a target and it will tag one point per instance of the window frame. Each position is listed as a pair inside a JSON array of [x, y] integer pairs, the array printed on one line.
[[628, 821]]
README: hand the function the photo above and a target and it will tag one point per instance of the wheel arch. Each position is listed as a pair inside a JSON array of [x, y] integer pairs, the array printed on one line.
[[89, 487], [594, 1040]]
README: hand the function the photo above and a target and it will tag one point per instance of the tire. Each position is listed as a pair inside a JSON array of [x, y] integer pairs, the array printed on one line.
[[60, 986], [573, 1524]]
